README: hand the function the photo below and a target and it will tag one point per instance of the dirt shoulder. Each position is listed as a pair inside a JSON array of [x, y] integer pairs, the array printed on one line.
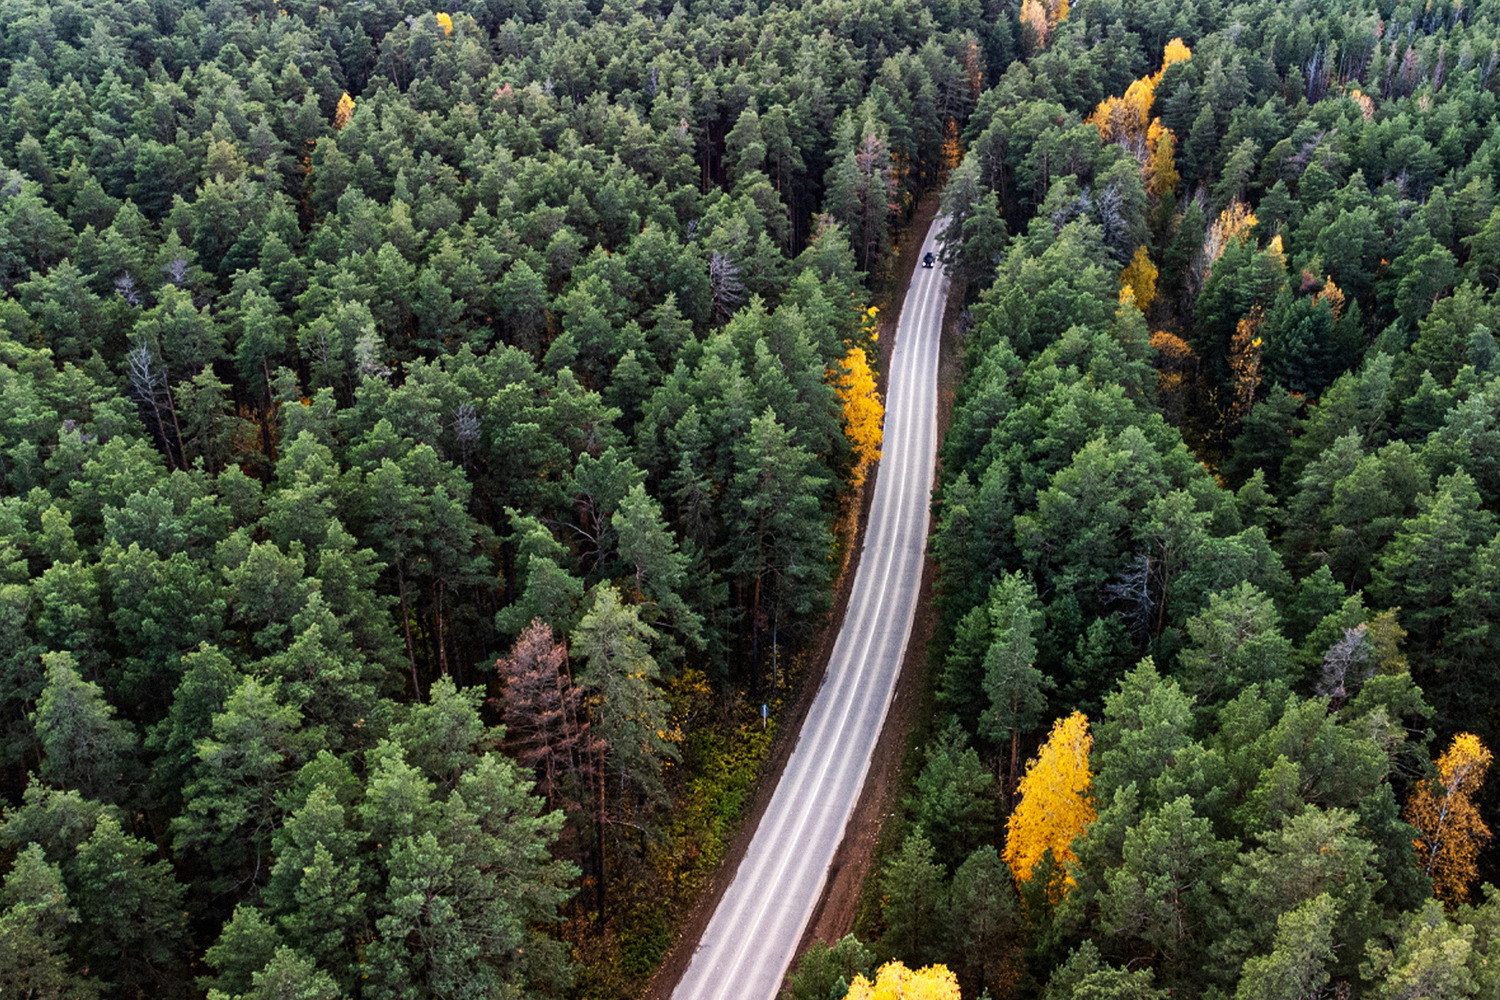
[[839, 907], [790, 724]]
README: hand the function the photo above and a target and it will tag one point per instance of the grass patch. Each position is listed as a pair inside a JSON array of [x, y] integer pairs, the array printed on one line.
[[723, 752]]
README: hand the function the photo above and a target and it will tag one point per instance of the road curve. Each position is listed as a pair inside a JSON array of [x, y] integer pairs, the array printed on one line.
[[753, 934]]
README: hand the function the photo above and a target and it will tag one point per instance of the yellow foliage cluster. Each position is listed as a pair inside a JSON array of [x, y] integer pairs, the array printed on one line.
[[1332, 294], [864, 416], [973, 69], [1175, 52], [1034, 15], [1055, 805], [953, 149], [344, 111], [1232, 224], [446, 21], [1138, 280], [1173, 349], [1160, 168], [1276, 250], [895, 981], [1366, 105], [1041, 16], [1127, 119], [1450, 830], [1175, 363]]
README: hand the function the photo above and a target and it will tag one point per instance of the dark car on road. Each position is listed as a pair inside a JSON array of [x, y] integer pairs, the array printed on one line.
[[928, 259]]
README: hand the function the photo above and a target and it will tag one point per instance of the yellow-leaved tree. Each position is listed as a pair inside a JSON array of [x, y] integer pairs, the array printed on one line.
[[1056, 805], [953, 147], [1176, 51], [1233, 223], [344, 111], [1127, 119], [895, 981], [1366, 105], [1175, 364], [1139, 279], [1040, 16], [1451, 832], [1332, 294], [1160, 169], [864, 415], [445, 21]]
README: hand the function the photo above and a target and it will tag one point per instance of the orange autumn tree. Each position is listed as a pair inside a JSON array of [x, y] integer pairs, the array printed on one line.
[[1232, 224], [445, 21], [1176, 366], [344, 111], [1244, 363], [953, 148], [895, 981], [1451, 832], [973, 67], [1125, 119], [1366, 105], [1034, 16], [1176, 51], [1055, 806], [1276, 252], [864, 415]]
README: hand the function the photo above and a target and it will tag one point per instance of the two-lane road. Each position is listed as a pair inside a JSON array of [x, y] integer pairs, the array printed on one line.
[[752, 936]]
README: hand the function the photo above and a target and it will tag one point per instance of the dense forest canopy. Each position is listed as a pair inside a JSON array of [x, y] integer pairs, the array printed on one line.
[[1219, 498], [420, 431], [420, 428]]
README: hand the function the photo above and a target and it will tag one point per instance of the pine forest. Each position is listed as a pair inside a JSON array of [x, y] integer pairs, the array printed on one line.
[[436, 445]]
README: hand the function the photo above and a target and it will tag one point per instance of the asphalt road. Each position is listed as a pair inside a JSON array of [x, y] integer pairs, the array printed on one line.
[[751, 937]]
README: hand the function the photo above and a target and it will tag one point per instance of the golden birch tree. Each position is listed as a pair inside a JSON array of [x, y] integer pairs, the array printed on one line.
[[1451, 832], [1055, 803], [1033, 15], [1041, 16], [895, 981], [1176, 364], [344, 111], [1175, 52], [1127, 119], [1233, 223], [1139, 278], [1330, 293], [864, 416], [1160, 169], [1366, 104]]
